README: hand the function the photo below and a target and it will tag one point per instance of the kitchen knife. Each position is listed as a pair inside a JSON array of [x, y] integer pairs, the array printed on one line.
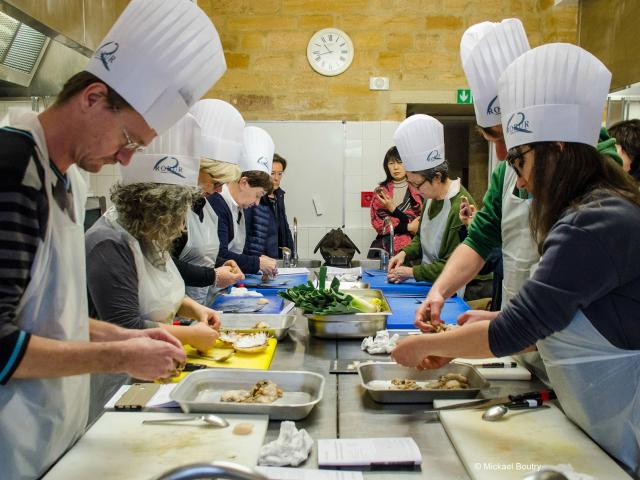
[[542, 395]]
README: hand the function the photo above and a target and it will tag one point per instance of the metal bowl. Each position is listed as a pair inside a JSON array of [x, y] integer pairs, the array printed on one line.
[[352, 325]]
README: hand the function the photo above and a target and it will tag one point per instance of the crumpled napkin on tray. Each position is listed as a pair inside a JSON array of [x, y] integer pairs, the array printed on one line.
[[381, 344], [292, 447], [567, 470]]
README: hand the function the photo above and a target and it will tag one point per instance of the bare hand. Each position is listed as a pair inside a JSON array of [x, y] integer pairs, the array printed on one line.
[[160, 334], [471, 316], [234, 266], [207, 316], [268, 265], [428, 314], [201, 337], [396, 261], [225, 276], [413, 226], [149, 359], [432, 362], [386, 201], [467, 211], [400, 274]]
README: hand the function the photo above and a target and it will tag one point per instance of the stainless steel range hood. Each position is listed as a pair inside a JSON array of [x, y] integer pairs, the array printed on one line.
[[21, 50]]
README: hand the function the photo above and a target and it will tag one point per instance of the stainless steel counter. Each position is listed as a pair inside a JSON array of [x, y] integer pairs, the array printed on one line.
[[347, 412]]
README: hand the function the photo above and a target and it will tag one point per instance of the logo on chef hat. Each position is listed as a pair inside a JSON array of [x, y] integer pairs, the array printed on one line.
[[107, 53], [493, 108], [518, 123], [169, 165], [433, 156], [263, 161]]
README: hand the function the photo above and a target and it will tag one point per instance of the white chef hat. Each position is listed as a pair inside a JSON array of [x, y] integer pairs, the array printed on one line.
[[172, 158], [160, 56], [486, 49], [258, 150], [222, 130], [555, 92], [420, 142]]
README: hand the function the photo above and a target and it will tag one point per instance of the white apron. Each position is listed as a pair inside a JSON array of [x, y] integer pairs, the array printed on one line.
[[519, 255], [239, 228], [40, 419], [432, 229], [160, 292], [202, 246], [597, 385]]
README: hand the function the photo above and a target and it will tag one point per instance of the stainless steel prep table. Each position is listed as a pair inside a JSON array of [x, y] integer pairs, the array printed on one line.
[[346, 411]]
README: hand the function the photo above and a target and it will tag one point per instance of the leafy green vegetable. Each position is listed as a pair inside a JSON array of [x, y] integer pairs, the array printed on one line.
[[331, 301]]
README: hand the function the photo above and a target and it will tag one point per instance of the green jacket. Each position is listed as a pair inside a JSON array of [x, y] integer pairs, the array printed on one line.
[[450, 239], [485, 232]]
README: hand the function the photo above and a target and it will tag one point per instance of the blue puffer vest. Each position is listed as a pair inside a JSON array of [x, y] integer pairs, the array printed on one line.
[[262, 232]]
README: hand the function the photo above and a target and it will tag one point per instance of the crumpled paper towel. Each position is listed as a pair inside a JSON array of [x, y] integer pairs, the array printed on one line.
[[243, 292], [292, 447], [381, 344], [567, 470]]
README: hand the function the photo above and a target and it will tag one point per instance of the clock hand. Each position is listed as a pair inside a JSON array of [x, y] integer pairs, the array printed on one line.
[[325, 46]]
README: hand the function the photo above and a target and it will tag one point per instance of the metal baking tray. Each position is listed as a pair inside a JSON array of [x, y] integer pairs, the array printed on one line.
[[376, 377], [279, 324], [200, 392], [352, 325]]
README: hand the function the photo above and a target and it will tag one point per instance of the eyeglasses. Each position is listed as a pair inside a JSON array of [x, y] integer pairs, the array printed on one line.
[[131, 145], [514, 156], [417, 185]]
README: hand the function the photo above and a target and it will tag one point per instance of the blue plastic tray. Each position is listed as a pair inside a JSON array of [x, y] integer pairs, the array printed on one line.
[[378, 279], [252, 281], [275, 305], [404, 310]]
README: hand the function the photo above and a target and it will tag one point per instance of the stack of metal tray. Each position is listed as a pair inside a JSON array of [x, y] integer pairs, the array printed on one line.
[[200, 392], [279, 324], [376, 380], [353, 325]]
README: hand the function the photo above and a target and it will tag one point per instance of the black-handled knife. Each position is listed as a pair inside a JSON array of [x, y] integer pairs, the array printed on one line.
[[542, 396]]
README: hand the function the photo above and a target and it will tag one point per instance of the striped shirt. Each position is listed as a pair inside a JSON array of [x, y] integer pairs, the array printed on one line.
[[24, 211]]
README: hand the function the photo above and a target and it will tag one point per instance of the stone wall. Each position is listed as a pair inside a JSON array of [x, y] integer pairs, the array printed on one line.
[[413, 42]]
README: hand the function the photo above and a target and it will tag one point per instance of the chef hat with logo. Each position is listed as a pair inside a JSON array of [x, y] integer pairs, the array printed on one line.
[[161, 57], [171, 158], [420, 142], [486, 49], [222, 130], [555, 92], [258, 150]]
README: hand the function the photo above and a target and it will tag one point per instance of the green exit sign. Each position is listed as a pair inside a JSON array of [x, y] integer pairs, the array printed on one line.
[[464, 96]]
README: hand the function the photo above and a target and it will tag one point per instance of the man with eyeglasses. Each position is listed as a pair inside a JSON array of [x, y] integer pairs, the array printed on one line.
[[145, 75]]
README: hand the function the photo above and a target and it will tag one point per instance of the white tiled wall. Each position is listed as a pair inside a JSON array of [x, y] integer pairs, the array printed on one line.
[[365, 146]]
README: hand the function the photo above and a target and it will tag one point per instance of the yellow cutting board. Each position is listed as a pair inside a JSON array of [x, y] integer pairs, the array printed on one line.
[[257, 361], [510, 447]]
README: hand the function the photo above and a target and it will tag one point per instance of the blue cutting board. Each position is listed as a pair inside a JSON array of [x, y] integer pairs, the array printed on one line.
[[275, 305], [378, 279], [252, 281], [404, 310]]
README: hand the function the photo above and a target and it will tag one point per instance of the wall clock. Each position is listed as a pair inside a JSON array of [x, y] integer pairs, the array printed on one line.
[[330, 51]]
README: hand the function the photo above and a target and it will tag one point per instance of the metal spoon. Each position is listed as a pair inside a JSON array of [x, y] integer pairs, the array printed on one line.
[[496, 412], [209, 419]]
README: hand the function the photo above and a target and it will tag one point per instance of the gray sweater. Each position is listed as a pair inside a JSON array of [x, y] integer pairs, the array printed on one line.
[[112, 278], [591, 262]]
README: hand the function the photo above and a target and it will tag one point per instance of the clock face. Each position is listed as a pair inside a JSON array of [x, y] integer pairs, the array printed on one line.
[[330, 51]]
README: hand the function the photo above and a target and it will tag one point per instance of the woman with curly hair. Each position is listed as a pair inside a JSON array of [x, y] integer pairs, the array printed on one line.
[[131, 278]]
